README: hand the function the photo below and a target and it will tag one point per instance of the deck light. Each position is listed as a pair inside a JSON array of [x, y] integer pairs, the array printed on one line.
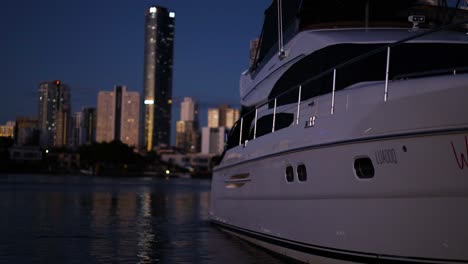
[[416, 20]]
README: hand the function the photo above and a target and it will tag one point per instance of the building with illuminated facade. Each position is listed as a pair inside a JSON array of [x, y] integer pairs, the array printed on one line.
[[187, 135], [157, 83], [8, 130], [220, 121], [54, 114], [118, 116], [223, 116]]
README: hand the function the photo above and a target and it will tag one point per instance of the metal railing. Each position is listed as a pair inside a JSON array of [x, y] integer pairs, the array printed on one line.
[[334, 71]]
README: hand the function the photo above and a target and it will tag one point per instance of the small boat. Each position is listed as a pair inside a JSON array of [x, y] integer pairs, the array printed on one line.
[[352, 146]]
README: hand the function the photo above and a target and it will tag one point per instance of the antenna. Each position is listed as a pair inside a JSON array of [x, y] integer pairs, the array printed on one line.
[[281, 53]]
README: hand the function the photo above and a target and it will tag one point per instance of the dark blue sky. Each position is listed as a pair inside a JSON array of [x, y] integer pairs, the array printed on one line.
[[93, 45]]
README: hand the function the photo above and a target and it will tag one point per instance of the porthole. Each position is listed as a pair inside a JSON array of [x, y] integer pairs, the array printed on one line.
[[364, 168], [301, 173], [289, 174]]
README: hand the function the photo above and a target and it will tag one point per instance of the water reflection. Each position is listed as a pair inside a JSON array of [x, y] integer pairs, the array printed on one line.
[[87, 220]]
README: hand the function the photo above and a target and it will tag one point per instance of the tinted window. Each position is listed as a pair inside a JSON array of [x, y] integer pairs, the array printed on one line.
[[406, 58], [264, 124], [289, 174], [302, 173], [364, 168]]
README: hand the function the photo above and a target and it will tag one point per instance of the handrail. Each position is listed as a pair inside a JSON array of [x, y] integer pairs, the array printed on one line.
[[430, 73], [343, 65]]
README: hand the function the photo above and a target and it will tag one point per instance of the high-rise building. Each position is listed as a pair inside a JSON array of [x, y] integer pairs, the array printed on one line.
[[157, 83], [76, 128], [187, 135], [213, 117], [118, 116], [223, 116], [188, 110], [8, 130], [88, 132], [228, 116], [83, 128], [220, 121], [213, 139], [54, 114]]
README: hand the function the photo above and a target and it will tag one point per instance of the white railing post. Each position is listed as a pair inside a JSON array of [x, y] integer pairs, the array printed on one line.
[[298, 105], [386, 74], [240, 136], [255, 126], [274, 118], [332, 111]]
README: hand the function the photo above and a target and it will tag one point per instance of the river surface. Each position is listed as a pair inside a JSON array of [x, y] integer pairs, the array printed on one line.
[[76, 219]]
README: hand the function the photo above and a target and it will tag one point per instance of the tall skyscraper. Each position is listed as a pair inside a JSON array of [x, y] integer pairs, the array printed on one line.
[[187, 135], [118, 116], [157, 90], [54, 114]]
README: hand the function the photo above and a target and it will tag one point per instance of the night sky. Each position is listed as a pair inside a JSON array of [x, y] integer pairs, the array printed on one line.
[[92, 45]]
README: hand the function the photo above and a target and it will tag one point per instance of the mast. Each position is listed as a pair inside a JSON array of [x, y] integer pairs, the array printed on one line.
[[281, 53]]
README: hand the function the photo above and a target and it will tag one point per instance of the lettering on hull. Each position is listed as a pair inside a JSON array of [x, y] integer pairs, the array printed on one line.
[[386, 156], [461, 158]]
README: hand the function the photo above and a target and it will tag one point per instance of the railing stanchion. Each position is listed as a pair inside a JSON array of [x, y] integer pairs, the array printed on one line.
[[298, 105], [333, 92], [255, 126], [240, 136], [386, 74], [274, 117]]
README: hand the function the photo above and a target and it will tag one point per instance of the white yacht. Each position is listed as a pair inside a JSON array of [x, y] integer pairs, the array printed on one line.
[[353, 141]]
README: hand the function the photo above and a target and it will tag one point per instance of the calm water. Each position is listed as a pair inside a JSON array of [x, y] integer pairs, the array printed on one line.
[[52, 219]]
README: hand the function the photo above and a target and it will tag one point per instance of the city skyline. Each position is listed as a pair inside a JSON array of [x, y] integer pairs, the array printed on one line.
[[99, 47]]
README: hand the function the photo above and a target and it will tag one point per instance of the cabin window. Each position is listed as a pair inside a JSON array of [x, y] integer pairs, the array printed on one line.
[[289, 174], [302, 173], [265, 124], [405, 59], [364, 168]]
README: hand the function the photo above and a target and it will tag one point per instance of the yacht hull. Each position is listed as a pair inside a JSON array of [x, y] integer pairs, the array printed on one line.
[[411, 210]]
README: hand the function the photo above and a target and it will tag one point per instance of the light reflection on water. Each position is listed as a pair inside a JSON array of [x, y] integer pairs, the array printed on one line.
[[52, 219]]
